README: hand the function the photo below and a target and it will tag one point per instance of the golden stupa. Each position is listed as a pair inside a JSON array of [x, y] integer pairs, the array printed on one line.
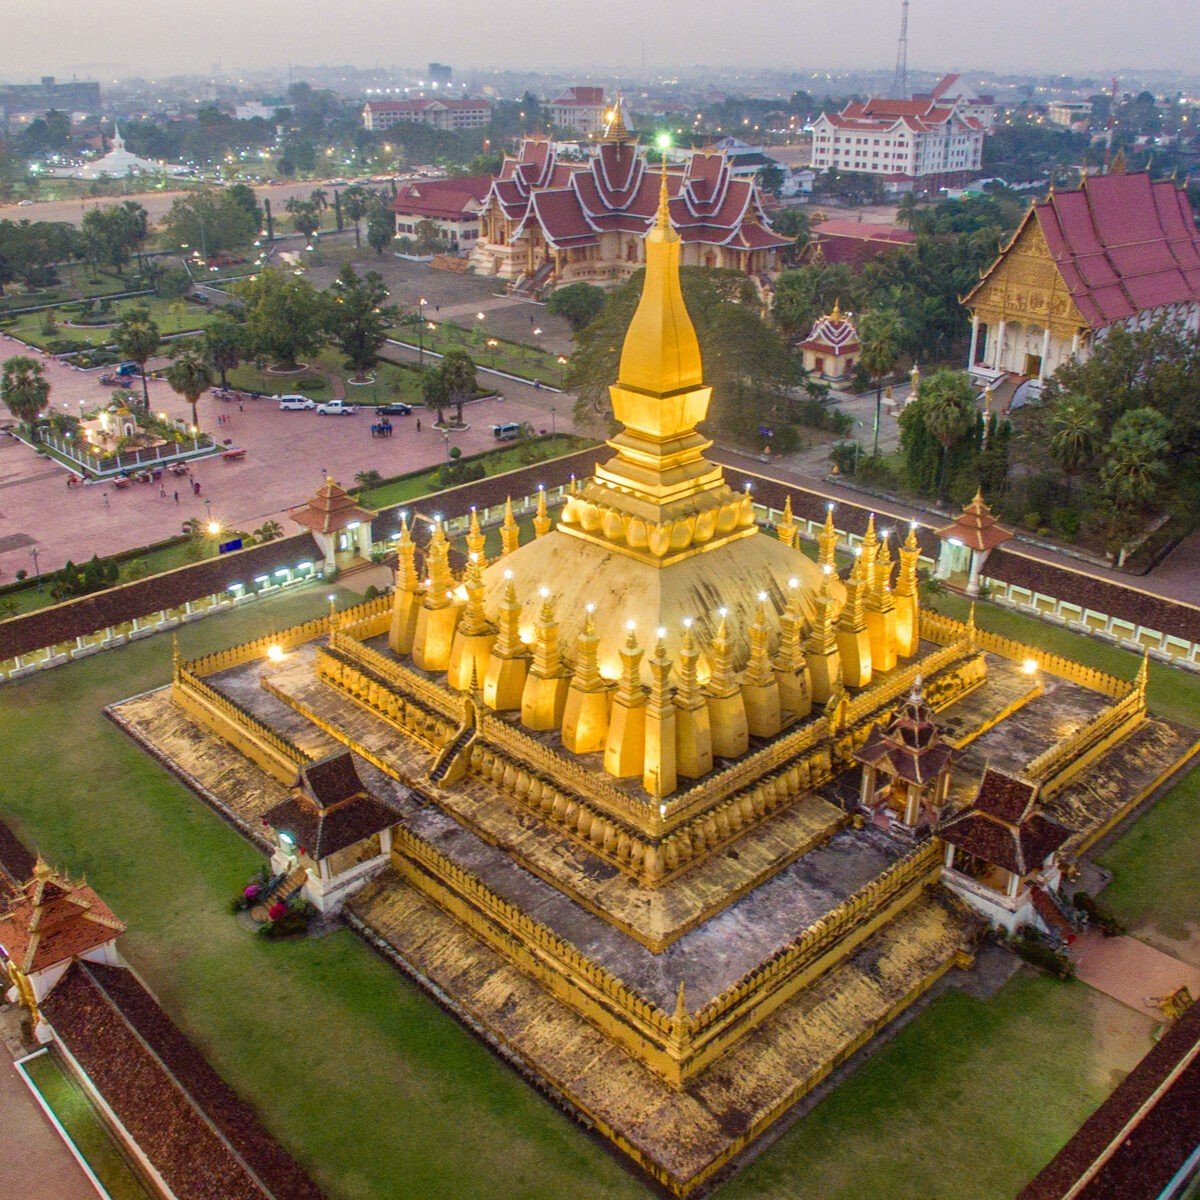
[[658, 537]]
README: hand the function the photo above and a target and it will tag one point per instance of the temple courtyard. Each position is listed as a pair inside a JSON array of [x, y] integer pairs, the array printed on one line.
[[320, 1031]]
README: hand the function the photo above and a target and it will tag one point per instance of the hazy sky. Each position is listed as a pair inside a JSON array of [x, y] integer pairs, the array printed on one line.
[[106, 37]]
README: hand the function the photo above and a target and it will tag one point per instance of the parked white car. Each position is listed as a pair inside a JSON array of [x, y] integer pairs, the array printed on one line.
[[292, 402], [336, 408]]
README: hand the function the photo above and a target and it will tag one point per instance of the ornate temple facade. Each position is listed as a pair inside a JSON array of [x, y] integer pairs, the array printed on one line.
[[548, 222], [1118, 250], [666, 789]]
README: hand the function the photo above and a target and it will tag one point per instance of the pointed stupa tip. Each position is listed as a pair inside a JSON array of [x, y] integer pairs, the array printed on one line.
[[836, 315]]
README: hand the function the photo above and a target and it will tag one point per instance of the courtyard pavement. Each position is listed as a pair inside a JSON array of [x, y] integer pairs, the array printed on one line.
[[1130, 971], [287, 454]]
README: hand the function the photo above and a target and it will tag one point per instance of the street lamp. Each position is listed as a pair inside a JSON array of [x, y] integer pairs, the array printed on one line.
[[492, 343], [553, 426], [562, 362], [37, 573], [421, 303]]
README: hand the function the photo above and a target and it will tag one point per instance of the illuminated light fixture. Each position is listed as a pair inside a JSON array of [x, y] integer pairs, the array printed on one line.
[[508, 574], [214, 528], [275, 653], [793, 583], [287, 839], [1030, 666]]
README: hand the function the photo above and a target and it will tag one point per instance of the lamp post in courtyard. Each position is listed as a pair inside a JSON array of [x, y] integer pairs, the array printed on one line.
[[36, 571], [421, 303]]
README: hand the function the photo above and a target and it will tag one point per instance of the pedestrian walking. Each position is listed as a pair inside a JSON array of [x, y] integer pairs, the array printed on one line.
[[418, 424], [176, 495], [162, 492], [196, 486], [241, 407], [106, 501]]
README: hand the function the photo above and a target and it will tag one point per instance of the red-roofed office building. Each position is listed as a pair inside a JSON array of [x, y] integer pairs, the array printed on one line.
[[453, 205], [1118, 250], [932, 141], [854, 242], [547, 223], [441, 114], [580, 109]]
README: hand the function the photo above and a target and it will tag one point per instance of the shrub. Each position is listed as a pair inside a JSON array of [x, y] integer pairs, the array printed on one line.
[[1030, 947], [1065, 523], [787, 440], [1032, 521], [1103, 918], [875, 470], [310, 381], [845, 456], [371, 593], [292, 923]]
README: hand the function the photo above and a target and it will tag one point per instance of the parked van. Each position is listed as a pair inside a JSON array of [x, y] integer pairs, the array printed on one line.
[[508, 432], [292, 402]]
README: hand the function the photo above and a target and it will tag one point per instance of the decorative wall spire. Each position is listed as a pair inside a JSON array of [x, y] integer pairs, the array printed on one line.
[[475, 535], [688, 694], [407, 578], [541, 521], [786, 530], [758, 666], [722, 680], [441, 578], [827, 540], [508, 624], [510, 533], [474, 617], [629, 689], [587, 677]]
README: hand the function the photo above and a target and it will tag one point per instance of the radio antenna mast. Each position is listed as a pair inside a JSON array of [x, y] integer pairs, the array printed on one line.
[[900, 82]]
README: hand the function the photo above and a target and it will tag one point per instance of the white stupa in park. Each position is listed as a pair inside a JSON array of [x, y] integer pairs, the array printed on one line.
[[119, 162]]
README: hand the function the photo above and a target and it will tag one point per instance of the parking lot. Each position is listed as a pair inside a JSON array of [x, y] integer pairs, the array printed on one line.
[[287, 455]]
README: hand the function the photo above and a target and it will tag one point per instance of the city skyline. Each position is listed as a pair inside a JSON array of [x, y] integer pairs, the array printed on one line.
[[1074, 36]]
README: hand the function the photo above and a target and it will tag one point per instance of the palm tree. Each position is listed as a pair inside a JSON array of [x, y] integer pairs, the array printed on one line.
[[223, 344], [320, 197], [268, 531], [880, 334], [24, 388], [356, 203], [907, 209], [1073, 440], [137, 338], [948, 407], [191, 377]]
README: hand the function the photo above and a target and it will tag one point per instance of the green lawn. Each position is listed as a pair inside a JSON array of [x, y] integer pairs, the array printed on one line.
[[170, 317], [528, 362], [85, 1127], [382, 1095], [392, 382], [496, 463]]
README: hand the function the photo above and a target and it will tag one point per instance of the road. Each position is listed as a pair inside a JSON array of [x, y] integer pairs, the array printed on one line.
[[156, 204]]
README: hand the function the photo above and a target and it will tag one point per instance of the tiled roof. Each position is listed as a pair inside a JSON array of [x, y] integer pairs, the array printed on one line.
[[976, 527], [331, 509], [582, 96], [1003, 827], [115, 606], [1123, 244], [205, 1142], [414, 106], [51, 919], [445, 198], [909, 746], [16, 863], [1133, 1145]]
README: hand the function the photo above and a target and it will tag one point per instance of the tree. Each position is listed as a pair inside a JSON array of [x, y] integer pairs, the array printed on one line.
[[947, 400], [579, 303], [1074, 433], [793, 223], [305, 216], [906, 210], [1136, 454], [268, 531], [358, 316], [210, 221], [114, 234], [434, 393], [367, 480], [356, 203], [223, 344], [458, 372], [24, 389], [189, 375], [284, 317], [381, 228], [428, 237], [880, 333], [770, 179], [138, 339]]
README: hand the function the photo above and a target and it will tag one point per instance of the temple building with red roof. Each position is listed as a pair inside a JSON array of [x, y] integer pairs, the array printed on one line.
[[933, 140], [339, 525], [547, 222], [1002, 856], [453, 205], [831, 348], [46, 925], [1117, 250]]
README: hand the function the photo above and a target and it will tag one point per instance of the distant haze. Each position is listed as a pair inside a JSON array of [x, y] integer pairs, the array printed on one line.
[[160, 37]]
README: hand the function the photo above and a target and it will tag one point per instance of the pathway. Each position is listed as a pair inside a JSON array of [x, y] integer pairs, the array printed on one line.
[[1130, 971]]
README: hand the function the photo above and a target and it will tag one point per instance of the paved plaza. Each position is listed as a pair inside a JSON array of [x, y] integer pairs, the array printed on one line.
[[287, 454]]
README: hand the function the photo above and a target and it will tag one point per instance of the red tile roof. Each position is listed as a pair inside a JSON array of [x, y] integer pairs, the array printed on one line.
[[423, 105], [1123, 244], [53, 919], [205, 1142], [910, 746], [1132, 1146], [976, 527], [447, 199], [582, 96], [331, 509]]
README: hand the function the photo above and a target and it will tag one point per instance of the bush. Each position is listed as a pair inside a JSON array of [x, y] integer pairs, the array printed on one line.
[[310, 381], [875, 470], [1103, 918], [1030, 947], [1032, 521], [1065, 523], [454, 473], [293, 923], [787, 440], [845, 456]]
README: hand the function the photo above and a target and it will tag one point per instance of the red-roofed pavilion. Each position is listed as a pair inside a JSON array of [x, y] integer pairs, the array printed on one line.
[[968, 541], [338, 523]]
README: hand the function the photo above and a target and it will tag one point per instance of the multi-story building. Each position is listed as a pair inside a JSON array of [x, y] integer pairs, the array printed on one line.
[[921, 144], [441, 114], [49, 93], [581, 109], [547, 222], [954, 89], [1118, 250], [453, 205], [1069, 113]]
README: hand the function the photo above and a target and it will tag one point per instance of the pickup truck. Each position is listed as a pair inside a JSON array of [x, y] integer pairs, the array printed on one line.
[[336, 408]]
